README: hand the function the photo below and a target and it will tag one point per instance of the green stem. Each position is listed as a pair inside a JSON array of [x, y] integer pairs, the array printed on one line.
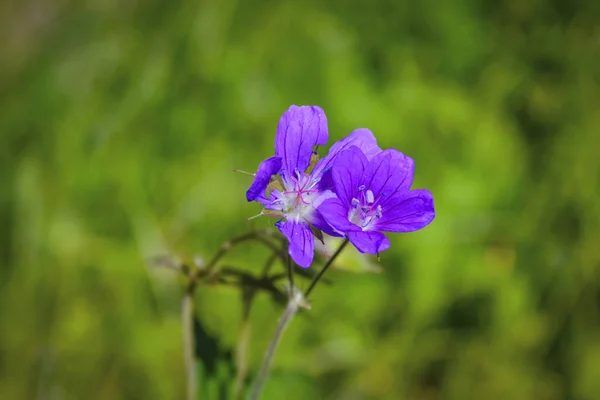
[[187, 321], [263, 374], [296, 300], [242, 347], [325, 267]]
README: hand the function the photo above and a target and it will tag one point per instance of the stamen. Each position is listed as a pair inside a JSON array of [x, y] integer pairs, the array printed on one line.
[[361, 188], [298, 174], [314, 182], [378, 212], [370, 197], [355, 202], [378, 200]]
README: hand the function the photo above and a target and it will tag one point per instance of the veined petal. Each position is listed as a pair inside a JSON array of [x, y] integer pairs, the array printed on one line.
[[319, 222], [407, 211], [371, 242], [316, 219], [347, 173], [361, 138], [302, 246], [322, 196], [299, 129], [336, 214], [266, 169], [388, 172]]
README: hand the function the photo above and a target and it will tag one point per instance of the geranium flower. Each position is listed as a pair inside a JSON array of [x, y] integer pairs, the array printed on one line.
[[374, 196], [303, 182]]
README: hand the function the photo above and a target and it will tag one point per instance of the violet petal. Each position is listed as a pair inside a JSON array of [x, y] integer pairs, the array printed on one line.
[[336, 214], [371, 242], [302, 245], [319, 222], [347, 173], [407, 211], [361, 138], [388, 172], [299, 129], [266, 169], [270, 203]]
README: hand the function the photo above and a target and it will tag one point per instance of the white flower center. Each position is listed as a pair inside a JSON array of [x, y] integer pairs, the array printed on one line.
[[366, 209], [297, 200]]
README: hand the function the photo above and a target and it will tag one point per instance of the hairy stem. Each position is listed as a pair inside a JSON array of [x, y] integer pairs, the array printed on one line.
[[187, 321], [290, 311], [325, 267]]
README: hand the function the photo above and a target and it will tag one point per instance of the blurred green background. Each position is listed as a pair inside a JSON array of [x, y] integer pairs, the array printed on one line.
[[121, 123]]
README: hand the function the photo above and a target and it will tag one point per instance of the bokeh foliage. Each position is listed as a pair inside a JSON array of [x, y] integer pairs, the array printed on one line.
[[122, 121]]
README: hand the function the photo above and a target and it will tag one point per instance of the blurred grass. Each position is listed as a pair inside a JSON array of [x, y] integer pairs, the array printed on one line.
[[121, 123]]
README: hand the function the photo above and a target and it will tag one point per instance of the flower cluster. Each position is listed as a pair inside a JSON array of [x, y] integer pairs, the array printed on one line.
[[357, 191]]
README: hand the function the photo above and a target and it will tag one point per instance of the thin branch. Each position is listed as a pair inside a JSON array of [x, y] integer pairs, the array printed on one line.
[[325, 267], [259, 235], [246, 280], [269, 264], [189, 346]]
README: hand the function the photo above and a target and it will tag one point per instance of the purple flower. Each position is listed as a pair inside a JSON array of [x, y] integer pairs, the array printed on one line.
[[303, 183], [373, 195]]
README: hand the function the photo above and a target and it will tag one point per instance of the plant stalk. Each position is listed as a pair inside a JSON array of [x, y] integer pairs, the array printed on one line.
[[263, 374], [189, 345], [325, 267]]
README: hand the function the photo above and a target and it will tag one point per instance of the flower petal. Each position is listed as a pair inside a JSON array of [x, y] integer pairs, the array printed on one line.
[[270, 203], [319, 222], [336, 214], [361, 138], [301, 240], [371, 242], [347, 173], [266, 169], [299, 129], [388, 172], [407, 211]]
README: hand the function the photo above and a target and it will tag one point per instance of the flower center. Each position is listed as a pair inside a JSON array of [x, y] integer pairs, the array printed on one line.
[[366, 209], [299, 195], [300, 186]]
